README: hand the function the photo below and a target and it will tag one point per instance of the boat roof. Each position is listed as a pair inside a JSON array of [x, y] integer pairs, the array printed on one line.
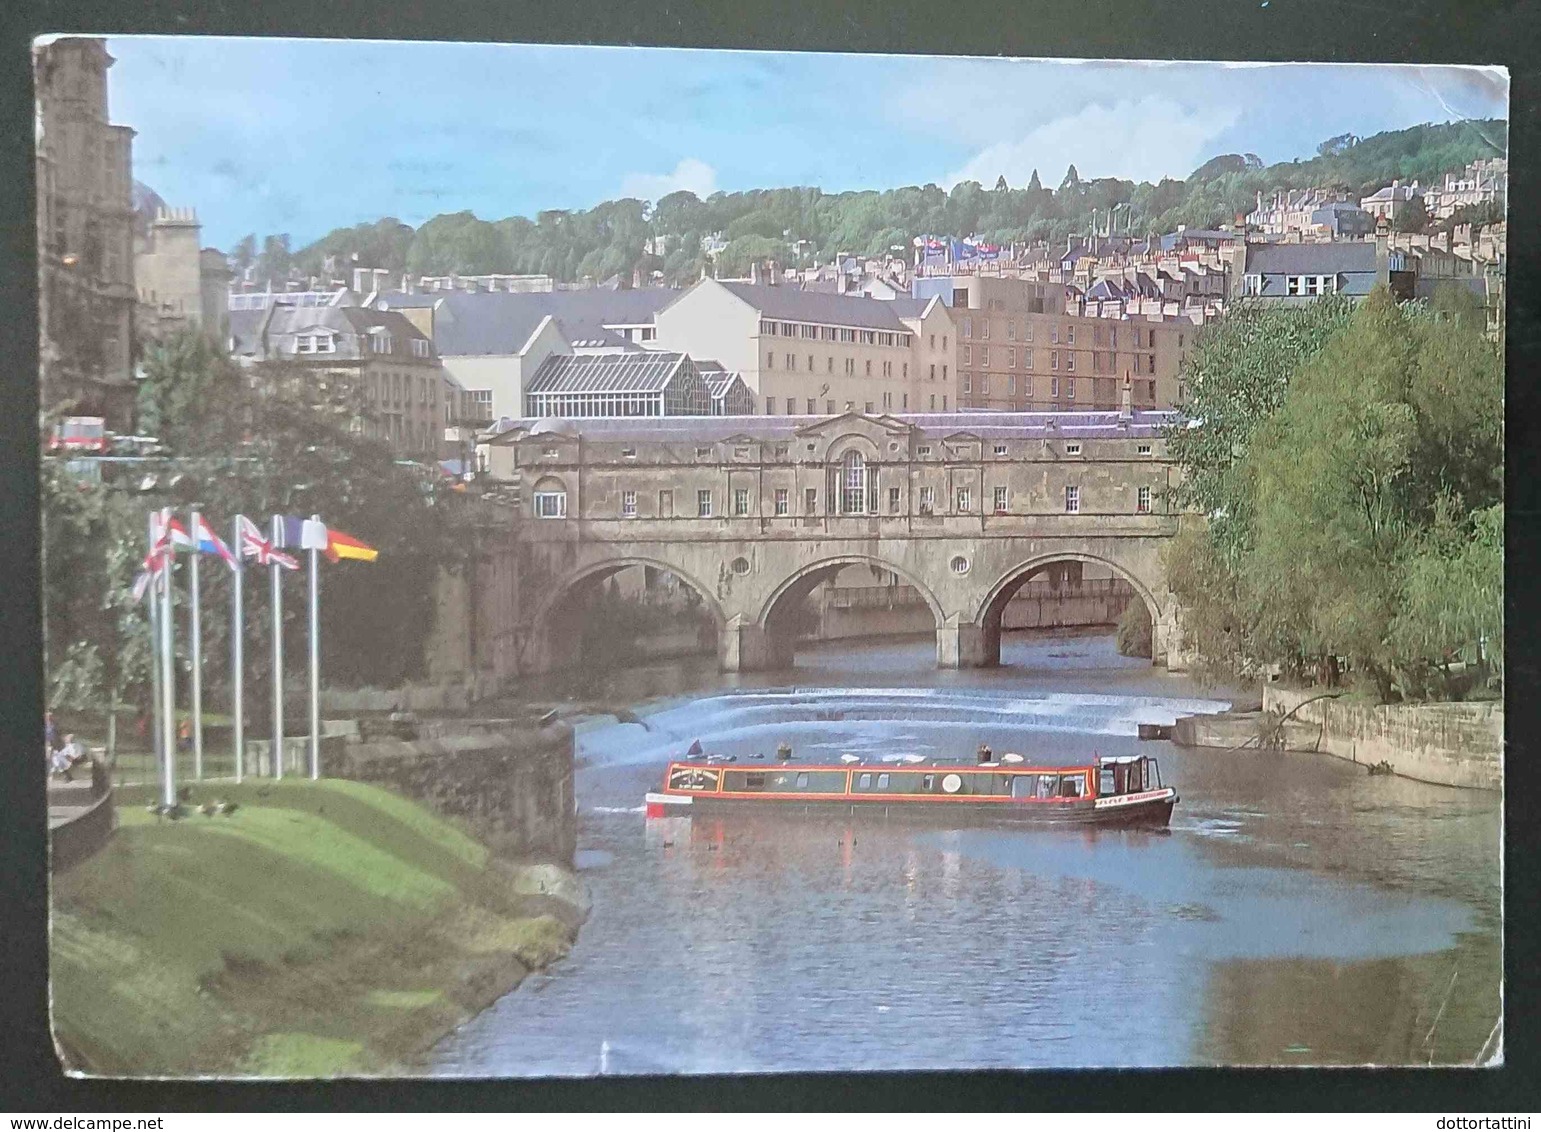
[[1008, 759]]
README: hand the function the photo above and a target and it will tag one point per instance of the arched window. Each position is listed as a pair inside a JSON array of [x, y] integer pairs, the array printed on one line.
[[853, 484], [550, 499]]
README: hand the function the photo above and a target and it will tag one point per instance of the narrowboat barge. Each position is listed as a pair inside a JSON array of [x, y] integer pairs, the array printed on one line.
[[1125, 791]]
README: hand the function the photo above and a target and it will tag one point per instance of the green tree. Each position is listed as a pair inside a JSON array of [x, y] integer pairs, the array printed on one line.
[[1412, 217]]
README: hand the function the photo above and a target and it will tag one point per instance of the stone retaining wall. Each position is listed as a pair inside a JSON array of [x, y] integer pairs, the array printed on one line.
[[512, 784], [1458, 744]]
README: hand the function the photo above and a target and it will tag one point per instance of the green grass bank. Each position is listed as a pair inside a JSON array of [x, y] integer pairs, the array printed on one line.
[[322, 928]]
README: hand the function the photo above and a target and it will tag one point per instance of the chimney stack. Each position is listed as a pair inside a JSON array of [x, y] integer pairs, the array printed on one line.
[[754, 272]]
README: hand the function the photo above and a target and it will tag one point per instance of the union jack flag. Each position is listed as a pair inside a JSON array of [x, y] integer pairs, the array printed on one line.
[[162, 550], [253, 545]]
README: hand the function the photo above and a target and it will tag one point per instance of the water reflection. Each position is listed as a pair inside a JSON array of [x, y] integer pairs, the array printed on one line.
[[1297, 912]]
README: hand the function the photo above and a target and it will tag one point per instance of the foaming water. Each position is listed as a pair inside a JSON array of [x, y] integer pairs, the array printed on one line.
[[1297, 909]]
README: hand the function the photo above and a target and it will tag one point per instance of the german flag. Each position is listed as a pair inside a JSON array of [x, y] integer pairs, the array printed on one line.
[[340, 545]]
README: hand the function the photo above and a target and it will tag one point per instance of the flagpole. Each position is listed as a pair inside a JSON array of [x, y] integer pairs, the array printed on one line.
[[197, 706], [168, 679], [157, 699], [237, 628], [315, 657], [278, 654]]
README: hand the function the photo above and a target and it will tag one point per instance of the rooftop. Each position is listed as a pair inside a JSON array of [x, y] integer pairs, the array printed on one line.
[[606, 373], [501, 322], [1311, 259], [1143, 424], [792, 303]]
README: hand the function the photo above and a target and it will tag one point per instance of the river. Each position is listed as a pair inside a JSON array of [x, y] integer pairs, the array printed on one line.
[[1299, 911]]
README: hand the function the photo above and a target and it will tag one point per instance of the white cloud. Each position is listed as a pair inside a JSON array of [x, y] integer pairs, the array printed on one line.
[[1142, 140], [691, 174]]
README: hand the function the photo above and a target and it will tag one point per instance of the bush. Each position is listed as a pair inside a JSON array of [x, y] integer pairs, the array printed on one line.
[[1134, 630]]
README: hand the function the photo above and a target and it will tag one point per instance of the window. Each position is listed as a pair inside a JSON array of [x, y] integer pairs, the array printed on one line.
[[1070, 335], [1070, 388], [927, 500], [770, 361], [420, 347], [770, 406], [850, 367], [767, 327], [1142, 501], [867, 407], [1073, 449], [791, 406], [965, 500], [1054, 360], [792, 363], [1011, 384], [959, 564], [1000, 500], [1054, 334], [1142, 450], [1027, 332], [666, 503], [893, 501], [802, 780], [968, 382], [550, 504], [924, 449], [813, 406], [984, 384], [628, 504], [1294, 285], [829, 407], [741, 501], [703, 452], [984, 355], [704, 503], [810, 501], [1072, 500], [782, 505], [1069, 361], [882, 782], [933, 402], [888, 401], [1011, 330], [864, 782], [810, 363], [869, 368], [649, 333], [1011, 358], [379, 342], [968, 332], [1151, 394]]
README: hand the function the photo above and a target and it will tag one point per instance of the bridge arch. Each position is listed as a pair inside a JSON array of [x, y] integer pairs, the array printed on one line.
[[993, 607], [556, 625], [775, 616]]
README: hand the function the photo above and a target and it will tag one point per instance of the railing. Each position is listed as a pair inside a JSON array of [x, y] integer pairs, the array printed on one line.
[[74, 840]]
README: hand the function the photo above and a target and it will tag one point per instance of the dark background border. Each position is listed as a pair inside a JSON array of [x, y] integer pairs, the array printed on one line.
[[1422, 31]]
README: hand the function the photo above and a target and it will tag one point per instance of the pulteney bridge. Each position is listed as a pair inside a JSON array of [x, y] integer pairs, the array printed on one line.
[[754, 512]]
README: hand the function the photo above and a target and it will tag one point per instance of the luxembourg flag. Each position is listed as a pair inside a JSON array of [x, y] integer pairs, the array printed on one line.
[[174, 532], [211, 543]]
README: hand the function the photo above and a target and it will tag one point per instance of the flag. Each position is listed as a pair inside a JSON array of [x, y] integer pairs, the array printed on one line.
[[211, 543], [176, 533], [253, 545], [141, 585], [340, 545], [302, 534]]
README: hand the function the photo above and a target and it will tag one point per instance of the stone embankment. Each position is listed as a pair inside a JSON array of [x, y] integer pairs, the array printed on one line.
[[1452, 744], [1455, 744]]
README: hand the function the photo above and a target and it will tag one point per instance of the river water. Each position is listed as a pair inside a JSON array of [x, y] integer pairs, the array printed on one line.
[[1298, 912]]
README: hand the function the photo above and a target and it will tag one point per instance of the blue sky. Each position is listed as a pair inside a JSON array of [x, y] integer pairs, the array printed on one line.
[[302, 136]]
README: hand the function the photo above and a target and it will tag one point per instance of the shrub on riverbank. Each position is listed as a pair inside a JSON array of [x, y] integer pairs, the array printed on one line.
[[1134, 630], [327, 927]]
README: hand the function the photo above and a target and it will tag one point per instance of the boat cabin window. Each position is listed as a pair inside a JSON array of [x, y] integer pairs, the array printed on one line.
[[1023, 785], [754, 780], [1105, 784], [1072, 785], [928, 783], [1134, 781], [864, 782], [802, 780], [1152, 774], [1048, 786], [882, 782]]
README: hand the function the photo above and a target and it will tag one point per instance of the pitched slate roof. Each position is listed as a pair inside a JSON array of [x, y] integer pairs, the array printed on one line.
[[1336, 258], [646, 372], [499, 322], [797, 305]]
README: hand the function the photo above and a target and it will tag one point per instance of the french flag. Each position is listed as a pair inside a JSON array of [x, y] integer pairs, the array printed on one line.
[[211, 543]]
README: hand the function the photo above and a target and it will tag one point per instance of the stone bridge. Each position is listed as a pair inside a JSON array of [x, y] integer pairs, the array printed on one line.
[[964, 508]]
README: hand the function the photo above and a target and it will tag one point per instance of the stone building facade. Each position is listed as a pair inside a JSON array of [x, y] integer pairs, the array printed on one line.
[[1019, 348], [179, 282], [812, 353], [85, 219]]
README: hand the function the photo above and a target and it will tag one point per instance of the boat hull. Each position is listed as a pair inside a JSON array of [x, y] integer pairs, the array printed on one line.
[[1112, 813]]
